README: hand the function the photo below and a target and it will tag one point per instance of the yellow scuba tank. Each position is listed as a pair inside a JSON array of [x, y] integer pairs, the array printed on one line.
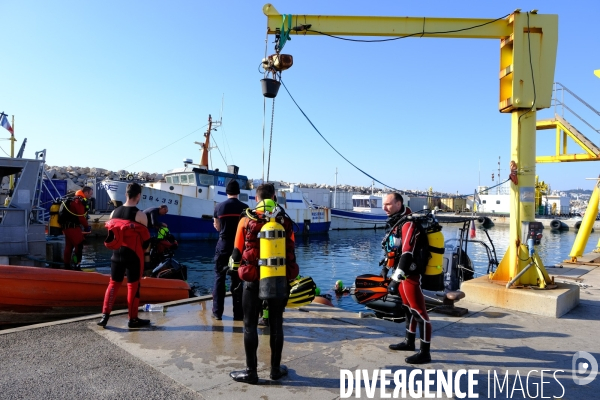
[[433, 277], [54, 227], [435, 237], [273, 274]]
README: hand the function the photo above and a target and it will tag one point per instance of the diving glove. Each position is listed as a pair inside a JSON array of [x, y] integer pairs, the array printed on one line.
[[397, 276], [233, 267]]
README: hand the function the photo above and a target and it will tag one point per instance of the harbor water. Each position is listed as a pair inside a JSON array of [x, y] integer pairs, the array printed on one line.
[[343, 255]]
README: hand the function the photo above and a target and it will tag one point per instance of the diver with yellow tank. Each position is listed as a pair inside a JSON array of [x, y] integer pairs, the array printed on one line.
[[415, 253], [264, 257]]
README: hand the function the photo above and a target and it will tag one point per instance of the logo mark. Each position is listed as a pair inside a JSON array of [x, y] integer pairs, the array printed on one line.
[[580, 367]]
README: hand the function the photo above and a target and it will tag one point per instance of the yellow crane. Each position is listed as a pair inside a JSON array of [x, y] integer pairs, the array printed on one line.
[[528, 43]]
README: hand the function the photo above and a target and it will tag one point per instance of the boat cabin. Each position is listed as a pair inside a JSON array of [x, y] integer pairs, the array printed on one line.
[[202, 177], [367, 203]]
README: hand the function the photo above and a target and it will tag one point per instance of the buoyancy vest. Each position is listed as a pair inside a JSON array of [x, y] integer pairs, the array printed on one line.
[[126, 232]]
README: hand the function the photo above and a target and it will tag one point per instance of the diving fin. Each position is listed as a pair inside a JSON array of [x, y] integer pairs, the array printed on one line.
[[367, 281], [366, 295], [302, 292]]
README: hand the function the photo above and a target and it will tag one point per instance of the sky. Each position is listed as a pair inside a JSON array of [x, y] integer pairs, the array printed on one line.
[[130, 85]]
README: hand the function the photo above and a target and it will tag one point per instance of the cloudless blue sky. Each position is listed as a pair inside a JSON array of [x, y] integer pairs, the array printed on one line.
[[129, 85]]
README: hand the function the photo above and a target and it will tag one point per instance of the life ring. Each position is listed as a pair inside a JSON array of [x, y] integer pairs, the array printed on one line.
[[130, 177]]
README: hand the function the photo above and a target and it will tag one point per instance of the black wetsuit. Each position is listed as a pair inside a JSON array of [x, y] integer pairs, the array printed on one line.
[[228, 212]]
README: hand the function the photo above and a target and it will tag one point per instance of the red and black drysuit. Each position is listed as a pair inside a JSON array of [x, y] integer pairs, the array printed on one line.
[[129, 258], [405, 240], [75, 217], [247, 249]]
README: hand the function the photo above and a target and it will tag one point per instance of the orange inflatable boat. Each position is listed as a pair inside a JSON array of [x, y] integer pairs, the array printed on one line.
[[32, 295]]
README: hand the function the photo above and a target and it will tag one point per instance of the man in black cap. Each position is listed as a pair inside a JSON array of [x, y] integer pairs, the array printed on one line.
[[226, 218]]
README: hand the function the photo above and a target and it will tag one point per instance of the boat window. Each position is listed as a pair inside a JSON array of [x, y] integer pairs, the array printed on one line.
[[243, 197], [497, 201], [169, 179], [206, 180], [176, 179], [365, 203], [373, 203], [184, 180], [191, 179], [483, 201]]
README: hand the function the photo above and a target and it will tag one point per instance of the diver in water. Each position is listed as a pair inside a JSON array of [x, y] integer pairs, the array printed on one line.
[[339, 288]]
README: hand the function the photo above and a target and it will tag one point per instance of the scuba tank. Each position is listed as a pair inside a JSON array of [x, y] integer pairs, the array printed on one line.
[[273, 274], [433, 278], [54, 227]]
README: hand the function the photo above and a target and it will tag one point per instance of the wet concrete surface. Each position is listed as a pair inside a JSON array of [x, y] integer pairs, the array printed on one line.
[[187, 354], [69, 361]]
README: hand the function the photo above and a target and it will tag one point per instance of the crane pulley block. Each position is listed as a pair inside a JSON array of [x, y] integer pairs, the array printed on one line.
[[278, 62]]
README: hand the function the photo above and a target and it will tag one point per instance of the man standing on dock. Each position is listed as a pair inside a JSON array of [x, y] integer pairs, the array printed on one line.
[[403, 242], [246, 255], [128, 237], [226, 217]]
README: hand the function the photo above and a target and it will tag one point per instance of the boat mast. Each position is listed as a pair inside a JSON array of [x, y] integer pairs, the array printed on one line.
[[335, 189], [206, 145]]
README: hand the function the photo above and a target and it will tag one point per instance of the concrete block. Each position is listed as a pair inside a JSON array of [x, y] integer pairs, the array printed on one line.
[[550, 303]]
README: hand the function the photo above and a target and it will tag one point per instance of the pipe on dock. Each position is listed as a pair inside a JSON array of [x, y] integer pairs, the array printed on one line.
[[516, 278]]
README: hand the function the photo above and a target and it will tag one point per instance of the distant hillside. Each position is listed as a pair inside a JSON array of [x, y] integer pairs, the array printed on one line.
[[578, 191]]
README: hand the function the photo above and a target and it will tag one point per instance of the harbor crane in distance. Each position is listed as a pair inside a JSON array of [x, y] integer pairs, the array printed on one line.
[[528, 45]]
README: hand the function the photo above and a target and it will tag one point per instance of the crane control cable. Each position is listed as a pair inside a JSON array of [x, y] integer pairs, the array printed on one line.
[[306, 28]]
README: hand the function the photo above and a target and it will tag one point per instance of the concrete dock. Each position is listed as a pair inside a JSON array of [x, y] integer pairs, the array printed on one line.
[[186, 354]]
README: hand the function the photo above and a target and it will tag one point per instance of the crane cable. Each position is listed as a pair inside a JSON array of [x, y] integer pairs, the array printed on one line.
[[334, 149], [271, 139]]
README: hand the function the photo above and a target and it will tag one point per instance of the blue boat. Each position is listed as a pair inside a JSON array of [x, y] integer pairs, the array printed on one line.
[[366, 213], [192, 192]]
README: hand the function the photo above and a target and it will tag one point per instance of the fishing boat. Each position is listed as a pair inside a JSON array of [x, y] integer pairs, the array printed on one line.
[[33, 295], [366, 213], [193, 191]]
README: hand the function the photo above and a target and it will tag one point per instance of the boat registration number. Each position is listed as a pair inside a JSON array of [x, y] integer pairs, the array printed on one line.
[[160, 200]]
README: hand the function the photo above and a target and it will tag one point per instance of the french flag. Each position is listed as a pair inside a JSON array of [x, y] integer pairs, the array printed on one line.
[[5, 124], [472, 231]]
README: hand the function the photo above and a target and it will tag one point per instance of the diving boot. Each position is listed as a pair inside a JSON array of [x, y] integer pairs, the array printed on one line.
[[138, 323], [407, 345], [277, 373], [245, 376], [103, 321], [422, 357]]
